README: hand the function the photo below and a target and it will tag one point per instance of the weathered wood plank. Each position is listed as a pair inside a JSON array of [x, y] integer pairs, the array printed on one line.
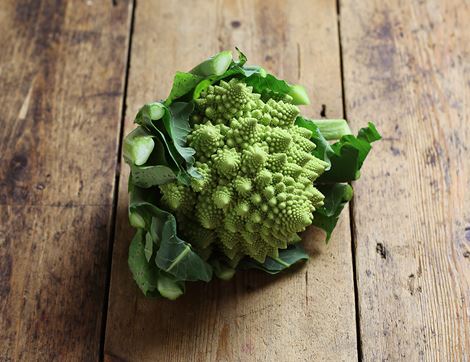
[[406, 66], [304, 315], [62, 69]]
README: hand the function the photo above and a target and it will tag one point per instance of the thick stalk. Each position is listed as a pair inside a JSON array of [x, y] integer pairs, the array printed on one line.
[[216, 65], [138, 146], [299, 95]]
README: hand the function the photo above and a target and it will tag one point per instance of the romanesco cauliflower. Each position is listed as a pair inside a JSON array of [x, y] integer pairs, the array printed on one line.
[[225, 173], [256, 192]]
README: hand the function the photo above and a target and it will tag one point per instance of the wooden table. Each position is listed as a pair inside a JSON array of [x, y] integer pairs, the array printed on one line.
[[394, 282]]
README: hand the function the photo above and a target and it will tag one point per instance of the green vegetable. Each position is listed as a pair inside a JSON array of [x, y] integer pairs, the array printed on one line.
[[256, 190], [225, 173]]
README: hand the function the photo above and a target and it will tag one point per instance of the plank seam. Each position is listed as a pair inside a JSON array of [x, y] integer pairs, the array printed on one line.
[[351, 203], [112, 233]]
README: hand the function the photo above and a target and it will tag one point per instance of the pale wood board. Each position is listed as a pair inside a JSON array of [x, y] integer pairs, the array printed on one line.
[[62, 68], [307, 314], [406, 66]]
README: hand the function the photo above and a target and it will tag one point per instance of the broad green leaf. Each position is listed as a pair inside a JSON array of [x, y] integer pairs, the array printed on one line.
[[345, 156], [203, 85], [268, 83], [176, 256], [148, 176], [287, 257], [146, 119], [177, 125], [369, 133], [151, 280], [159, 155], [170, 148], [183, 83], [210, 71], [145, 274], [336, 197], [348, 154], [236, 69]]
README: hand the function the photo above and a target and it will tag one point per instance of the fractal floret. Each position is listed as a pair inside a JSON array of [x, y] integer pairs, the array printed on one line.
[[226, 172], [256, 192]]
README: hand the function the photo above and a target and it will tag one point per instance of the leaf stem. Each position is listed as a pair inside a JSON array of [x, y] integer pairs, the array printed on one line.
[[179, 258], [280, 261]]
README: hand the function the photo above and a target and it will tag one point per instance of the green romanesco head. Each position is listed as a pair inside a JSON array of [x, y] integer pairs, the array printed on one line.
[[256, 192]]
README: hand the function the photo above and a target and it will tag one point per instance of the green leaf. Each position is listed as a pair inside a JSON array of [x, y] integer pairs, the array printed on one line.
[[268, 83], [183, 83], [144, 118], [177, 126], [148, 176], [345, 156], [348, 154], [171, 134], [145, 274], [336, 197], [287, 257], [148, 250], [155, 232], [169, 287], [203, 85], [235, 69], [176, 122], [176, 257], [369, 133], [169, 147]]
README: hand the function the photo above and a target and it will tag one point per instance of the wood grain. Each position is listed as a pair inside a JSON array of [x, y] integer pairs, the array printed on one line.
[[307, 314], [406, 66], [62, 69]]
